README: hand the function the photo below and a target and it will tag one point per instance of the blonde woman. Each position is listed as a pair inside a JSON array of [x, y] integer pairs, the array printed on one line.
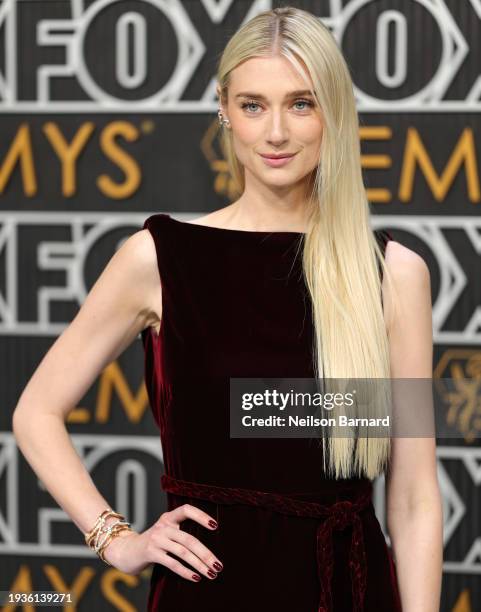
[[283, 282]]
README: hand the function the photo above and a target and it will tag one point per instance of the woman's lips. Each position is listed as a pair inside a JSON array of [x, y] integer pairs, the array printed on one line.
[[276, 162]]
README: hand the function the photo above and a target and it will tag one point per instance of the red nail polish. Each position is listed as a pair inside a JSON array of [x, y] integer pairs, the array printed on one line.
[[218, 566], [196, 577], [213, 524], [211, 573]]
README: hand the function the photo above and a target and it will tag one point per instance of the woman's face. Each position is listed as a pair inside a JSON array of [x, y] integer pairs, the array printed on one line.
[[267, 118]]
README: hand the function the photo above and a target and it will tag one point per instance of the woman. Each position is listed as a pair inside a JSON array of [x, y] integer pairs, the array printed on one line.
[[225, 296]]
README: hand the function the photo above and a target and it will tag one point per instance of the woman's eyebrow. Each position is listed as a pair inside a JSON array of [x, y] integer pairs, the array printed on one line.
[[299, 92]]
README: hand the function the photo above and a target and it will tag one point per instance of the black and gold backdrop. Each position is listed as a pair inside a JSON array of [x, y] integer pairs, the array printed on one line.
[[108, 114]]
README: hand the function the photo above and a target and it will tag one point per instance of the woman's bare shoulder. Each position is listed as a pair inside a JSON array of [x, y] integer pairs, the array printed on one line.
[[411, 291], [404, 264]]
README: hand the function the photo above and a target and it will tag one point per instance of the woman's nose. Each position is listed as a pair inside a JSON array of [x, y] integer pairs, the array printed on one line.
[[277, 128]]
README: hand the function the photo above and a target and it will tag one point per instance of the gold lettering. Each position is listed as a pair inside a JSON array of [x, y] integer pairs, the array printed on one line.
[[107, 585], [21, 149], [113, 378], [123, 160], [379, 132], [416, 153], [78, 586], [21, 584], [68, 154]]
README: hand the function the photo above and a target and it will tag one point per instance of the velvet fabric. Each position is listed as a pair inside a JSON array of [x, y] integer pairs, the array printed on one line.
[[235, 304]]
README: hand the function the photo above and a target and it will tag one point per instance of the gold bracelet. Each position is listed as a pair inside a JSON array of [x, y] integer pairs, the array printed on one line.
[[109, 538], [98, 542], [100, 522], [100, 536]]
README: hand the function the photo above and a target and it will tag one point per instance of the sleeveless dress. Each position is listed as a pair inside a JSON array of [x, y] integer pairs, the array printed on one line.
[[234, 304]]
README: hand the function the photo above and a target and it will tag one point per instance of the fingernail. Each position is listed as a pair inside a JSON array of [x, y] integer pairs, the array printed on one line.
[[211, 573], [196, 577], [218, 566], [213, 524]]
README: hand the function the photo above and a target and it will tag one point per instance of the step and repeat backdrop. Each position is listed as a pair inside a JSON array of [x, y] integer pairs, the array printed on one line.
[[108, 114]]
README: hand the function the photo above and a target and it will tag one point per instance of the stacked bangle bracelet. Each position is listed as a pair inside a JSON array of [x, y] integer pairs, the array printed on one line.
[[101, 534]]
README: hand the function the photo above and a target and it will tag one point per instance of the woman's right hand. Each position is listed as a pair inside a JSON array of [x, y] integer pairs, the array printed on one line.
[[131, 552]]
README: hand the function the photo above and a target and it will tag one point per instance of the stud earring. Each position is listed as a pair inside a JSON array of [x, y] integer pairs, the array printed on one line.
[[222, 121]]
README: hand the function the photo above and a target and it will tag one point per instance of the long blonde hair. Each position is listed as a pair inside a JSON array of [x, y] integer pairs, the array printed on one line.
[[341, 254]]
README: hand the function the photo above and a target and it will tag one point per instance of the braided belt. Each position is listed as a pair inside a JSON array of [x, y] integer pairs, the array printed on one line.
[[337, 516]]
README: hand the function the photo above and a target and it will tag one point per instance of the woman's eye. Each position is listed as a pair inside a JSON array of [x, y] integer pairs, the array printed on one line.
[[246, 104], [305, 102]]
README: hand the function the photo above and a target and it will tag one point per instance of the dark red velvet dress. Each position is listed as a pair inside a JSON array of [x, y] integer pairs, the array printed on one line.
[[235, 305]]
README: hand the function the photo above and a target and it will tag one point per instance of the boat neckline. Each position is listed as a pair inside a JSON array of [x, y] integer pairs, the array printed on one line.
[[237, 231]]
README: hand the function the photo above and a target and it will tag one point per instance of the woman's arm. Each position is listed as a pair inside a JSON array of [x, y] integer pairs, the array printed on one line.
[[413, 498], [125, 299], [118, 306]]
